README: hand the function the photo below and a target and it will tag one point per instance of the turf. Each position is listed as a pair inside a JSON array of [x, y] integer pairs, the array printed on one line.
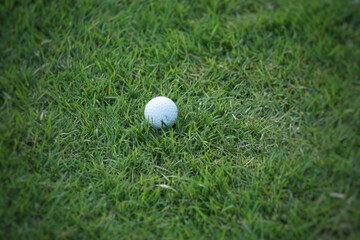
[[267, 141]]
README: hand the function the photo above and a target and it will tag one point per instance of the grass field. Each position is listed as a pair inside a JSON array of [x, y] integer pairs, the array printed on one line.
[[267, 141]]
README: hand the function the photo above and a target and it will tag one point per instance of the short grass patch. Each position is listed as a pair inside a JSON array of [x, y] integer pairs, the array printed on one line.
[[267, 141]]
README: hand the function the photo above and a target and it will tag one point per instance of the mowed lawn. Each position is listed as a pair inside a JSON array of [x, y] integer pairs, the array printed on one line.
[[266, 146]]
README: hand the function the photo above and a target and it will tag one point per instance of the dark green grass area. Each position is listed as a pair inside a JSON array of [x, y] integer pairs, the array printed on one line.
[[267, 141]]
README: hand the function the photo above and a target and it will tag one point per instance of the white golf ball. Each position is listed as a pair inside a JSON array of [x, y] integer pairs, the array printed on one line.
[[161, 112]]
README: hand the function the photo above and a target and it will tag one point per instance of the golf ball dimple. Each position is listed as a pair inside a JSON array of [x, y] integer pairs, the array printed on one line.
[[161, 112]]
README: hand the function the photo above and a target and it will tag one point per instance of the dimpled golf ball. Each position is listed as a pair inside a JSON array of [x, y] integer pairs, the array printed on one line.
[[161, 112]]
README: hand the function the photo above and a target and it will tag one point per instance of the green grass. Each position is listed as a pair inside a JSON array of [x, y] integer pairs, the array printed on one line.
[[267, 141]]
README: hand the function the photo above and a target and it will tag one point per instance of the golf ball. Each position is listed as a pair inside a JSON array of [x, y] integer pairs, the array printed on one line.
[[161, 112]]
